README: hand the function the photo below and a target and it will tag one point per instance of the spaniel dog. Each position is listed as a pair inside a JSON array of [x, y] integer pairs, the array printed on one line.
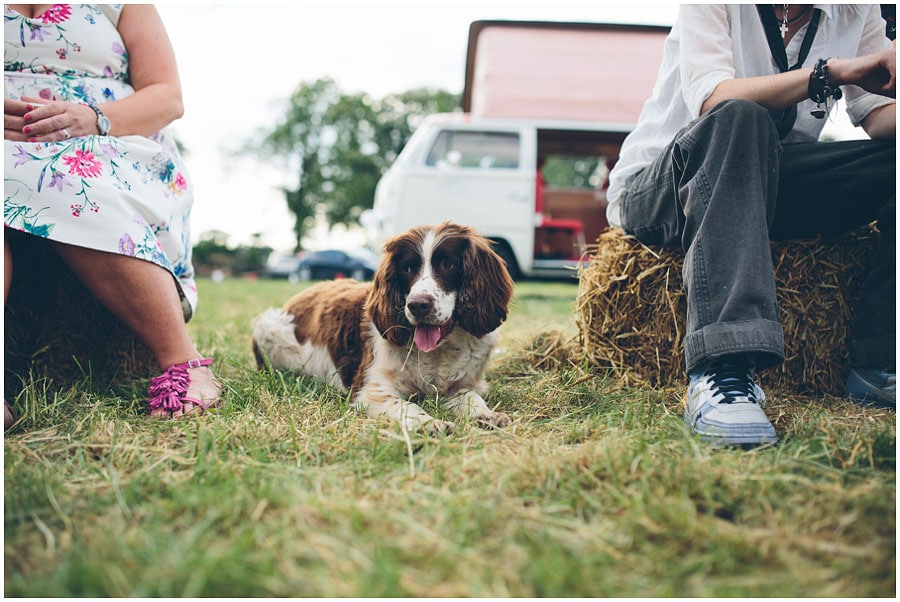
[[426, 325]]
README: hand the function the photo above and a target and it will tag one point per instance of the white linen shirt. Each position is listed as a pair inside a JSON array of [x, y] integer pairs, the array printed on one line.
[[711, 43]]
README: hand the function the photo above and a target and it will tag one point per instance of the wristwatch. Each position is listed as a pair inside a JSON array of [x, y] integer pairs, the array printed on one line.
[[103, 124]]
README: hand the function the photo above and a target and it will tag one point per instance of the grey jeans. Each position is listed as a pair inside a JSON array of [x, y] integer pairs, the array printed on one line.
[[723, 188]]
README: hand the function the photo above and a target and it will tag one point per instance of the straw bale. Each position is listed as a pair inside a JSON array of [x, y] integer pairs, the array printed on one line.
[[546, 351], [631, 310], [54, 327]]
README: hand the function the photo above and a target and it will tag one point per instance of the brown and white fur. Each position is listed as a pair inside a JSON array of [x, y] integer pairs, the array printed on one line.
[[425, 326]]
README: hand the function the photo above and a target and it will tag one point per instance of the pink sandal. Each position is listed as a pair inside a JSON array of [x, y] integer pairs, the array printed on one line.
[[169, 390]]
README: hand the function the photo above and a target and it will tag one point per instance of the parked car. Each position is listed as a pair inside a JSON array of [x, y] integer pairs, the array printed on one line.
[[334, 263], [282, 266]]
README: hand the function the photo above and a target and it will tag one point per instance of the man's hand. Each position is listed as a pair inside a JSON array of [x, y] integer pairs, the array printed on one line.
[[876, 73]]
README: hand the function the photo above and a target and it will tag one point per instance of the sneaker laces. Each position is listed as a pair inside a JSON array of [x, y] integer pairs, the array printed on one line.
[[734, 381]]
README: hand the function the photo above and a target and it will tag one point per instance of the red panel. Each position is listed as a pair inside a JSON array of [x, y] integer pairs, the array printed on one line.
[[551, 72]]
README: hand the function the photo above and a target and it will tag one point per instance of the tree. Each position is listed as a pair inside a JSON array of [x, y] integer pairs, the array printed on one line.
[[297, 139], [340, 144], [401, 114], [212, 252]]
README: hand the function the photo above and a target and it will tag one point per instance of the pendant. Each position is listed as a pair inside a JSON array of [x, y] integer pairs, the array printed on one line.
[[784, 21]]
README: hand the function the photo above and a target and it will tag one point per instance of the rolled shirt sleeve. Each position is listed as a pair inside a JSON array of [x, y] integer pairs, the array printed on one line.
[[707, 52], [859, 102]]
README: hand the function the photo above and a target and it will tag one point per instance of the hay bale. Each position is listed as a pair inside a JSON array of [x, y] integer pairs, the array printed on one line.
[[54, 327], [546, 351], [631, 310]]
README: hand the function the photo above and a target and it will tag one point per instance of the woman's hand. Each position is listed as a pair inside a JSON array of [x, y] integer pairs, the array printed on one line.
[[13, 119], [155, 104], [37, 120]]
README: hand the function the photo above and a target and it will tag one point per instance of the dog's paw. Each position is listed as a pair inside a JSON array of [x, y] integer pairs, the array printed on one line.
[[427, 425], [496, 420], [437, 427]]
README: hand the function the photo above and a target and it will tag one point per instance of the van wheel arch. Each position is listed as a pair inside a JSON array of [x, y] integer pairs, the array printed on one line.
[[502, 248]]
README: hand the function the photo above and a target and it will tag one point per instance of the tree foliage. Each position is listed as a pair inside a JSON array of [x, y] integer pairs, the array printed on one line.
[[339, 145], [580, 172], [212, 252]]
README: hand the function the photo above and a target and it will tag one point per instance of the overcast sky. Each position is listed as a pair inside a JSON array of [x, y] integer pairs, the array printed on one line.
[[237, 60]]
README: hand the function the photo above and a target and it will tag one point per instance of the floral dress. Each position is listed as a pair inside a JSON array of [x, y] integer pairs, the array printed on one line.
[[129, 194]]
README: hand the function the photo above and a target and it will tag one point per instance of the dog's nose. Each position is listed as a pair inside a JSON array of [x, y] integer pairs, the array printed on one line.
[[420, 305]]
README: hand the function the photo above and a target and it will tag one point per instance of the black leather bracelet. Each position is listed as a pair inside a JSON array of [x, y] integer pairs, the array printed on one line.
[[820, 88]]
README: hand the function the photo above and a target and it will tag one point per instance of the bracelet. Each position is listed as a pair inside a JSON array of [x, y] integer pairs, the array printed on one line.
[[820, 89]]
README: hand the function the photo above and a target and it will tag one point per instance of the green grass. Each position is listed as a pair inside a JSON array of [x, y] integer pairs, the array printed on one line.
[[594, 490]]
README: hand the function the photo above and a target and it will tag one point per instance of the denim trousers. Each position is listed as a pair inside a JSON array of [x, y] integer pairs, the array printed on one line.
[[723, 188]]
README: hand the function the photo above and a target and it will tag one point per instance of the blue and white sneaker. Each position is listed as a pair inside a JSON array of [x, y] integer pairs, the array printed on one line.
[[724, 405], [873, 386]]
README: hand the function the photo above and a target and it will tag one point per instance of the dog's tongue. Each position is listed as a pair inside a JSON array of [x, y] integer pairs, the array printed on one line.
[[427, 337]]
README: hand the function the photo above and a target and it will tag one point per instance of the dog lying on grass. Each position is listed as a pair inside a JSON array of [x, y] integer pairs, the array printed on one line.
[[426, 325]]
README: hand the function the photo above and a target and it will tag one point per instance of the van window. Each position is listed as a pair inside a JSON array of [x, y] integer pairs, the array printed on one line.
[[486, 150]]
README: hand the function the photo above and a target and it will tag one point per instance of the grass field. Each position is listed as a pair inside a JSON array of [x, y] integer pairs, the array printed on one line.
[[594, 490]]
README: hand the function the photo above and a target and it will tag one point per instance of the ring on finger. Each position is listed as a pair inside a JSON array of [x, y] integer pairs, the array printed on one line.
[[66, 134]]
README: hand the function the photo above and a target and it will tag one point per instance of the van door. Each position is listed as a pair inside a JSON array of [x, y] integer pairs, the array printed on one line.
[[481, 177]]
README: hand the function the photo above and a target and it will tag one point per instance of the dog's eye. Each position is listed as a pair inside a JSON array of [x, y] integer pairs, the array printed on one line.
[[447, 265]]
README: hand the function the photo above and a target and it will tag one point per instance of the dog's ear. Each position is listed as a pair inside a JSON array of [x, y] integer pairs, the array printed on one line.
[[386, 302], [486, 289]]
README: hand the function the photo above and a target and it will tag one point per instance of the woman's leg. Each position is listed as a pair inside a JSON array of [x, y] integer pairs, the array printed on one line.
[[143, 296]]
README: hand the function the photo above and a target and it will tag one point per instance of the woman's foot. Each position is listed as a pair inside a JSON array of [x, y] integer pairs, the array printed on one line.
[[184, 389], [204, 388]]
